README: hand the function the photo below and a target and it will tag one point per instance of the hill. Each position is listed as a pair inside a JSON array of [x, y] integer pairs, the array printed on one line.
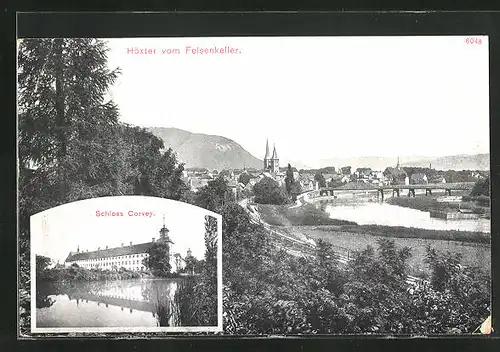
[[205, 151], [455, 162]]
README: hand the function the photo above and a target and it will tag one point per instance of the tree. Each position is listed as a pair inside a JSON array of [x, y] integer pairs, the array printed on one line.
[[289, 179], [42, 263], [481, 188], [444, 267], [158, 260], [191, 264], [207, 290], [296, 189], [268, 191], [71, 145], [214, 194], [346, 170], [211, 233], [320, 179]]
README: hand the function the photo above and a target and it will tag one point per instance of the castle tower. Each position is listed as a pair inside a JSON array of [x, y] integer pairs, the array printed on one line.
[[164, 233], [275, 162], [166, 240]]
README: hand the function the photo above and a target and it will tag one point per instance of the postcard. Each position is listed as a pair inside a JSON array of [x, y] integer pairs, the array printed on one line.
[[254, 185]]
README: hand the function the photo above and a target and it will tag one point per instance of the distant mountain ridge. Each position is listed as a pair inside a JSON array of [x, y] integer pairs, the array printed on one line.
[[451, 162], [216, 153], [205, 151], [455, 162]]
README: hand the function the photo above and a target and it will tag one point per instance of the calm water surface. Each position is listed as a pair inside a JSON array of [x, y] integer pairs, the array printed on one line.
[[368, 211], [121, 303]]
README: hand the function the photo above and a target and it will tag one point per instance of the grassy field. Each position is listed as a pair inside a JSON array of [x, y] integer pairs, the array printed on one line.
[[474, 254]]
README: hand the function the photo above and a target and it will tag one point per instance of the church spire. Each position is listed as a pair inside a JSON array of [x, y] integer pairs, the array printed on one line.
[[267, 149], [275, 155], [397, 166]]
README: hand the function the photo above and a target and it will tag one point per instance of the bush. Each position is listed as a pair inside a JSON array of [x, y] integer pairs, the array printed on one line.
[[481, 188], [268, 291]]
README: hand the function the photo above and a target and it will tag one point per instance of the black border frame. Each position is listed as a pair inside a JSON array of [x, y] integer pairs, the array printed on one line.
[[113, 24]]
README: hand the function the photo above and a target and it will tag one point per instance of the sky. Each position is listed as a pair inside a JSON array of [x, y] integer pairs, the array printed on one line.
[[314, 97], [57, 231]]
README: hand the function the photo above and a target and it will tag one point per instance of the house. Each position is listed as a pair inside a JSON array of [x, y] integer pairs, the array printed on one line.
[[196, 183], [345, 178], [227, 174], [396, 176], [307, 184], [266, 174], [248, 189], [363, 172], [418, 178]]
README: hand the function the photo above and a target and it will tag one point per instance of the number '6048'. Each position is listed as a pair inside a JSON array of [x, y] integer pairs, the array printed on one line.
[[473, 40]]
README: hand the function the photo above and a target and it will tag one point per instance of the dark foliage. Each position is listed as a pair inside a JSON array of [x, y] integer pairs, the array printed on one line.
[[158, 260], [481, 188], [71, 145], [268, 291], [268, 191], [320, 179]]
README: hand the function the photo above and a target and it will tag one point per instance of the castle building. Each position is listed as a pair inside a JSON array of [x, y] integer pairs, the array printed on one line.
[[129, 257], [271, 164]]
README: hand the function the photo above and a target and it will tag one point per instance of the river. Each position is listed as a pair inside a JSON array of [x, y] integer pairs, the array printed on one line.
[[116, 303], [366, 210]]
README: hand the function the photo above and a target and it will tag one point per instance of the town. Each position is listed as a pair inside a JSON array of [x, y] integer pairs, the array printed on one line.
[[242, 181]]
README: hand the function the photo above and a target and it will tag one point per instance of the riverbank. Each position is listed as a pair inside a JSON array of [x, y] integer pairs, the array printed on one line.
[[474, 254], [431, 204], [83, 274], [404, 232], [306, 214], [311, 215]]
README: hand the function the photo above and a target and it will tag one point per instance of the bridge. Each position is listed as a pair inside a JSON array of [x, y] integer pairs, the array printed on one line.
[[429, 187]]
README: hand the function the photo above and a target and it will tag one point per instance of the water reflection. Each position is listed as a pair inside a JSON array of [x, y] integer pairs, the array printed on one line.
[[134, 303]]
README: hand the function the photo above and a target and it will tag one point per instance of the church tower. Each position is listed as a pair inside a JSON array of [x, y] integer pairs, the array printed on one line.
[[164, 238], [164, 234], [275, 162], [271, 163], [267, 159]]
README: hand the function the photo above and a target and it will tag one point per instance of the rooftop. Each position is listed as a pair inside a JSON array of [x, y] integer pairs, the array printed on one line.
[[111, 252]]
